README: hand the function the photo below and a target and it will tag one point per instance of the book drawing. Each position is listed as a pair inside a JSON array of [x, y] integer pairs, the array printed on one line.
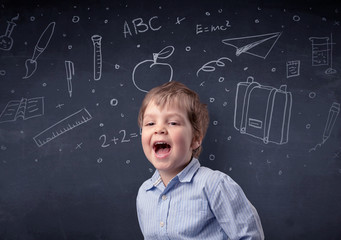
[[24, 109]]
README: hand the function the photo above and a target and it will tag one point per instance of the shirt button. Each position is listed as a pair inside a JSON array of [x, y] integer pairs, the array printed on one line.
[[162, 224], [164, 197]]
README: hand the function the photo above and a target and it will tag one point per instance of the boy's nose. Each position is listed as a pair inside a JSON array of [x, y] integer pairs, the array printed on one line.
[[160, 130]]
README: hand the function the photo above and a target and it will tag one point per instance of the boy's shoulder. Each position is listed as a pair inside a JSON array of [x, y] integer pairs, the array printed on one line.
[[150, 182], [210, 174], [211, 178]]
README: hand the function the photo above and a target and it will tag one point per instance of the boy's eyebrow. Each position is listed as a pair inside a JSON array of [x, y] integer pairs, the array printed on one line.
[[175, 114], [167, 114], [148, 115]]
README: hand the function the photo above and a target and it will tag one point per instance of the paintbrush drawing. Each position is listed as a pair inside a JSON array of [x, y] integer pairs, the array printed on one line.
[[43, 41]]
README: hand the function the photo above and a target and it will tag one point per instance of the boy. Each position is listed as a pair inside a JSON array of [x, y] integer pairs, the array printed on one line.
[[183, 200]]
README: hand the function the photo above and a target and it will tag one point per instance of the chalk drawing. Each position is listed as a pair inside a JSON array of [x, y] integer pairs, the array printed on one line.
[[258, 45], [67, 124], [24, 109], [70, 71], [6, 41], [75, 19], [123, 138], [207, 67], [43, 41], [333, 113], [293, 68], [140, 26], [263, 112], [114, 102], [212, 28], [179, 20], [96, 40], [322, 52], [151, 72], [79, 146]]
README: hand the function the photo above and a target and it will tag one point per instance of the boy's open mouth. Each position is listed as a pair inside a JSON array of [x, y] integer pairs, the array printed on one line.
[[161, 148]]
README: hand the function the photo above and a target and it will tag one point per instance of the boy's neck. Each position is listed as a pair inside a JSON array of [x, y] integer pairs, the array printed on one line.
[[166, 177]]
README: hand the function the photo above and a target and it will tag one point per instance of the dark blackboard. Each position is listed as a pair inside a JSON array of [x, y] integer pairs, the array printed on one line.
[[73, 76]]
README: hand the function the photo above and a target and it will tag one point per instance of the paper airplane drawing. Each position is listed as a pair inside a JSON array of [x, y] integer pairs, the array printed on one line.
[[258, 45]]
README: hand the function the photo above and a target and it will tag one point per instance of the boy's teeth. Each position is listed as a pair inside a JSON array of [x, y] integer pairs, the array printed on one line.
[[161, 148], [161, 145]]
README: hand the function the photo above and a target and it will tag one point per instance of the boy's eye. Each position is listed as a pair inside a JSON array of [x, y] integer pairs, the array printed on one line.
[[149, 124], [173, 123]]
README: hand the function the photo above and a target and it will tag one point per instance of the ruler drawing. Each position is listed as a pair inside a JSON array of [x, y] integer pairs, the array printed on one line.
[[63, 126]]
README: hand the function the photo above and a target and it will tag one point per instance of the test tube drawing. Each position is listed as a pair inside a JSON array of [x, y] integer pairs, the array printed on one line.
[[332, 115], [70, 71], [96, 40]]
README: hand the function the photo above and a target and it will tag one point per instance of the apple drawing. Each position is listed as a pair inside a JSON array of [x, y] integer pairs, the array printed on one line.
[[151, 73]]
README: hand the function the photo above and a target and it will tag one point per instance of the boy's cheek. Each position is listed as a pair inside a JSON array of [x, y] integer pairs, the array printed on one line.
[[145, 142]]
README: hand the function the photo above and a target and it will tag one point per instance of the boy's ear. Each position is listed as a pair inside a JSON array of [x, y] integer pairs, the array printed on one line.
[[196, 143]]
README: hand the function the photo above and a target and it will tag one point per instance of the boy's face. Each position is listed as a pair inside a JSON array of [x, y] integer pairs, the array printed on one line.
[[167, 138]]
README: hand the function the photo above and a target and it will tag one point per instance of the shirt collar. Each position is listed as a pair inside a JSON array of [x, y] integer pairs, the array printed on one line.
[[185, 175], [153, 181], [188, 172]]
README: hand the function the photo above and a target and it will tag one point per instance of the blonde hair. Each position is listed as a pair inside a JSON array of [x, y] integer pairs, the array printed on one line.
[[177, 93]]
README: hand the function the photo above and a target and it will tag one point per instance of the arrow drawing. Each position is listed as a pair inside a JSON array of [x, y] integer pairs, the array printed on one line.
[[258, 45]]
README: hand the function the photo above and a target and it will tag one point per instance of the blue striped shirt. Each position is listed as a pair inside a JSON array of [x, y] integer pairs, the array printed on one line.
[[198, 203]]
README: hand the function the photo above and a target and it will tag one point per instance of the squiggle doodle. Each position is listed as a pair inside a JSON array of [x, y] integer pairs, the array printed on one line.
[[316, 146], [208, 68]]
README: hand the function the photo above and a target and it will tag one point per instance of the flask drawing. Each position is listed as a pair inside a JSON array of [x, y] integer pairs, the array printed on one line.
[[96, 40], [6, 41]]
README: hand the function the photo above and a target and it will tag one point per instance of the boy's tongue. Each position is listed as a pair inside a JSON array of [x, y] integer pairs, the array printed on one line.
[[162, 150]]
